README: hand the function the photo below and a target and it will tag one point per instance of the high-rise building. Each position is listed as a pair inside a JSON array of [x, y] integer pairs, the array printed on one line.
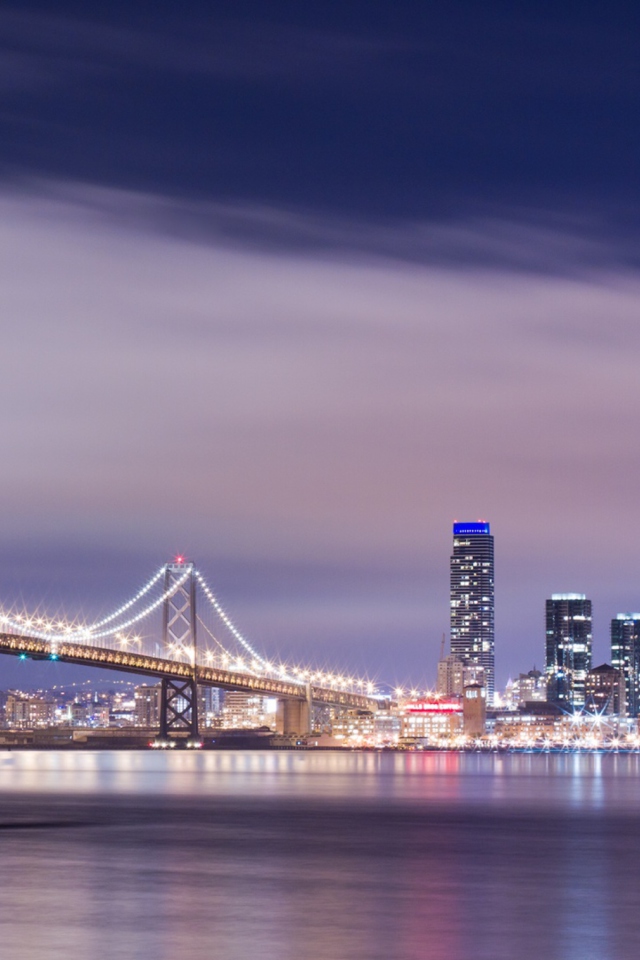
[[209, 706], [472, 600], [625, 657], [147, 705], [450, 680], [604, 691], [568, 647]]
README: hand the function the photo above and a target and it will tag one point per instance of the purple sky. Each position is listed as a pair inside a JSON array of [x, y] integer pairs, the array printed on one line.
[[292, 287], [306, 425]]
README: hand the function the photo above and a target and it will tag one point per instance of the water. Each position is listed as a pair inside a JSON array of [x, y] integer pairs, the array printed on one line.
[[319, 856]]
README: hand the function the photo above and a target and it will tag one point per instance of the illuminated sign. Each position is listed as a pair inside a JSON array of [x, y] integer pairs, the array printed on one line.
[[470, 529], [434, 706]]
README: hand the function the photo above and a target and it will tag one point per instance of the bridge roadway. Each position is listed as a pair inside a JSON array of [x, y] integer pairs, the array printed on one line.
[[139, 663]]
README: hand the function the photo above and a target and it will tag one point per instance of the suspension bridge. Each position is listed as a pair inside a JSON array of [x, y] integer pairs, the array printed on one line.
[[175, 629]]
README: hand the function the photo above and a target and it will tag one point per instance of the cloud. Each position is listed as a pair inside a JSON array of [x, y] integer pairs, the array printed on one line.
[[60, 48], [485, 237], [262, 404]]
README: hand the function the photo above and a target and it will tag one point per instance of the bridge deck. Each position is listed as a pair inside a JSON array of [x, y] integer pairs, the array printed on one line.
[[144, 665]]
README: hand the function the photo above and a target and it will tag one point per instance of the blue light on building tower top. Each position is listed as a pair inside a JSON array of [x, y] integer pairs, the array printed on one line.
[[470, 529]]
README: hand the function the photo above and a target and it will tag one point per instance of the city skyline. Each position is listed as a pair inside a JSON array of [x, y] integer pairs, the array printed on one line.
[[13, 673]]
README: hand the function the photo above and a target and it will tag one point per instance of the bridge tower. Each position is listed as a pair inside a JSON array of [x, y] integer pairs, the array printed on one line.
[[179, 698]]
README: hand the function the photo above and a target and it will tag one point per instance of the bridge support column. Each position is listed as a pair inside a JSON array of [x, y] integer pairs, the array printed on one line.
[[178, 709], [179, 698], [293, 718]]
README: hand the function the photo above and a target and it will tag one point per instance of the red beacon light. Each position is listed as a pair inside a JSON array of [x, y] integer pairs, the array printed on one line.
[[180, 558]]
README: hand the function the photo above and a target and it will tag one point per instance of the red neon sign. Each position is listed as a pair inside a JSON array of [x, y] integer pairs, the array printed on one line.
[[434, 706]]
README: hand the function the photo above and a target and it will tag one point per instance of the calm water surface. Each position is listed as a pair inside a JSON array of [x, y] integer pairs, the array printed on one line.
[[328, 856]]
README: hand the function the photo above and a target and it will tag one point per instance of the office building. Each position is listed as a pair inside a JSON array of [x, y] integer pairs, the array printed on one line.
[[472, 601], [28, 710], [450, 676], [209, 706], [530, 687], [604, 691], [245, 711], [568, 648], [625, 657], [147, 705]]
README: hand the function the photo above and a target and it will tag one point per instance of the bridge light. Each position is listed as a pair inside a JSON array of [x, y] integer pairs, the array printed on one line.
[[53, 656], [23, 656]]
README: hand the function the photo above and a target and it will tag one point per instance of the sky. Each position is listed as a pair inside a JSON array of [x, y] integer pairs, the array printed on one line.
[[291, 287]]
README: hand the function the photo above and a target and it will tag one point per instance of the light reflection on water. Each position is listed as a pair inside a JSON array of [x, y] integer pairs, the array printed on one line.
[[319, 856]]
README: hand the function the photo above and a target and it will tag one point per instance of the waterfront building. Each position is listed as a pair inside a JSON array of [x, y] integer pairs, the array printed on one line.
[[387, 726], [605, 691], [245, 711], [431, 719], [472, 601], [568, 648], [530, 723], [625, 657], [355, 727]]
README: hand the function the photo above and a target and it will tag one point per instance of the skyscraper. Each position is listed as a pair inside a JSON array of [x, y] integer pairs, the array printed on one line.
[[625, 657], [568, 647], [472, 599]]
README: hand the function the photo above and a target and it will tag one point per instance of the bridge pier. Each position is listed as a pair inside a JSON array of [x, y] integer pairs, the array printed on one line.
[[178, 709], [293, 718]]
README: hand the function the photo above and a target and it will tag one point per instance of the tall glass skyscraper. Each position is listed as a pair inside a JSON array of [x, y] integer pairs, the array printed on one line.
[[472, 599], [625, 657], [568, 647]]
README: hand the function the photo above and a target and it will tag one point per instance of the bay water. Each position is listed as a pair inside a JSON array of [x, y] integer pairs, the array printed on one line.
[[302, 855]]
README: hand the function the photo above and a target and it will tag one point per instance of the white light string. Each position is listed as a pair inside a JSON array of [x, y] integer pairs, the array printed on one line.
[[227, 621], [127, 606], [89, 635]]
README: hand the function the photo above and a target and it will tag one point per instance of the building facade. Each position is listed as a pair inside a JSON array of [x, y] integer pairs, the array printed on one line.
[[147, 705], [431, 719], [568, 648], [474, 710], [28, 710], [472, 601], [604, 691], [529, 687], [625, 657], [246, 711], [450, 676]]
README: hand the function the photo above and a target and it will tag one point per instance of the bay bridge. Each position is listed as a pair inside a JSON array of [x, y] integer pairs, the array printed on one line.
[[185, 643]]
